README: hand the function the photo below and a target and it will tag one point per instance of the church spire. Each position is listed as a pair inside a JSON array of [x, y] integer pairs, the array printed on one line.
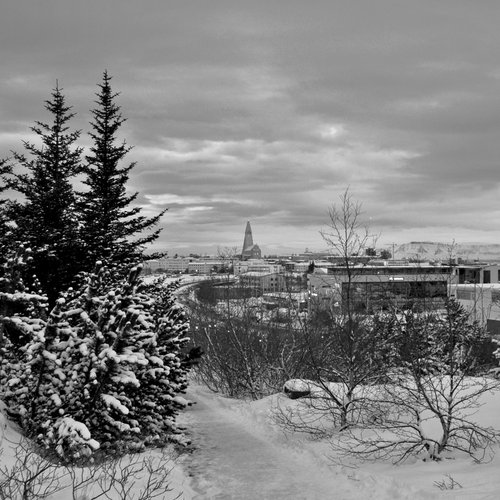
[[248, 241]]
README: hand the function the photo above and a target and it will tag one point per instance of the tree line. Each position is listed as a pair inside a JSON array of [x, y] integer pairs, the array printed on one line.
[[69, 230]]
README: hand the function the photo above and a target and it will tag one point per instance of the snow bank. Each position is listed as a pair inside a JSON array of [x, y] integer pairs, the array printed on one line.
[[13, 449], [455, 476]]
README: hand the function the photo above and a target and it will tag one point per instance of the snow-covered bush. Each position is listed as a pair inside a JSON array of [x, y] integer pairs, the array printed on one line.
[[23, 312], [104, 371]]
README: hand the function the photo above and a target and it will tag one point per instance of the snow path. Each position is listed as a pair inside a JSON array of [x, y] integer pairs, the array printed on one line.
[[230, 461], [235, 458]]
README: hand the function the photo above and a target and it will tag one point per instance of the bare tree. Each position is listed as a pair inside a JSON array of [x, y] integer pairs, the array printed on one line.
[[346, 234], [385, 377], [430, 403], [346, 349], [228, 256]]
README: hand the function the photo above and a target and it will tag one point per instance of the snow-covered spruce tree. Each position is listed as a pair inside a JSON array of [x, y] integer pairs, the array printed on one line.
[[7, 226], [105, 370], [30, 375], [157, 400], [5, 168], [130, 340], [45, 219], [23, 308], [114, 229]]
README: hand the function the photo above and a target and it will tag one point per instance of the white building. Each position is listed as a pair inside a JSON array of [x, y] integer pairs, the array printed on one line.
[[482, 300], [205, 266], [256, 266], [167, 265]]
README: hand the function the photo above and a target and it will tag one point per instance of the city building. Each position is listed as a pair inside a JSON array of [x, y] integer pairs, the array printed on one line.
[[482, 300], [166, 265], [477, 288], [263, 282], [477, 273], [296, 300], [256, 265], [205, 266], [375, 287], [176, 265], [296, 266]]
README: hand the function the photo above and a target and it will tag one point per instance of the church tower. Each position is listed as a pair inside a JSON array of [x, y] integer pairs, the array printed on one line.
[[248, 241], [249, 251]]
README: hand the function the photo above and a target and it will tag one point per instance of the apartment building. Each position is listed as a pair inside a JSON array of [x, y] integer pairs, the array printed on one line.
[[263, 282], [477, 288], [256, 266], [374, 287]]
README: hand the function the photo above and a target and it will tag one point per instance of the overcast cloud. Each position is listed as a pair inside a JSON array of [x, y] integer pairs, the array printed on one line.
[[267, 110]]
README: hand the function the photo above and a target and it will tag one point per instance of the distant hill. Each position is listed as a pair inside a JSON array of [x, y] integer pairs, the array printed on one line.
[[429, 250]]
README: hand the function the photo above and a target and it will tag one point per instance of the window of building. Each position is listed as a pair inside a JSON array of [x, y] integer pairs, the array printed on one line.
[[465, 295], [493, 326]]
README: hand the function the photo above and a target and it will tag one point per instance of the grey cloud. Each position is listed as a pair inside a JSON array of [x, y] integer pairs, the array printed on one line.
[[226, 103]]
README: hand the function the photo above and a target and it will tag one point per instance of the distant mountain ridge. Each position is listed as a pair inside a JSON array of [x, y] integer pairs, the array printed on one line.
[[443, 251]]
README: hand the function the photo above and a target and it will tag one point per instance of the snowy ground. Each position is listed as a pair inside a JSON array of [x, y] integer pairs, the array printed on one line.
[[239, 452], [242, 454], [131, 474]]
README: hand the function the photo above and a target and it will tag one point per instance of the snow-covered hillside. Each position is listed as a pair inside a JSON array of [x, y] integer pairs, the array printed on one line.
[[23, 474], [428, 250], [239, 452]]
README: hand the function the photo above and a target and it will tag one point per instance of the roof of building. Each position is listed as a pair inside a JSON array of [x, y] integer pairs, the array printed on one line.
[[467, 286], [259, 273], [251, 247]]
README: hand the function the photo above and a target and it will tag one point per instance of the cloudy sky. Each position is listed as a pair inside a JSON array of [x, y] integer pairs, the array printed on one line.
[[267, 110]]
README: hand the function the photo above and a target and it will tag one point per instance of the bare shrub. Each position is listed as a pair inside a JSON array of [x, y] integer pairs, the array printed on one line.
[[28, 475], [245, 356], [429, 405], [449, 483]]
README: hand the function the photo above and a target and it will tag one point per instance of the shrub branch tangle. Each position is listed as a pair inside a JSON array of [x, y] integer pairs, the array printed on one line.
[[433, 393], [246, 351], [132, 477]]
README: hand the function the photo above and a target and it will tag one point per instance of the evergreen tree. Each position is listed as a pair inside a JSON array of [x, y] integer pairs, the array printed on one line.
[[105, 370], [5, 226], [21, 301], [5, 169], [114, 230], [46, 219]]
